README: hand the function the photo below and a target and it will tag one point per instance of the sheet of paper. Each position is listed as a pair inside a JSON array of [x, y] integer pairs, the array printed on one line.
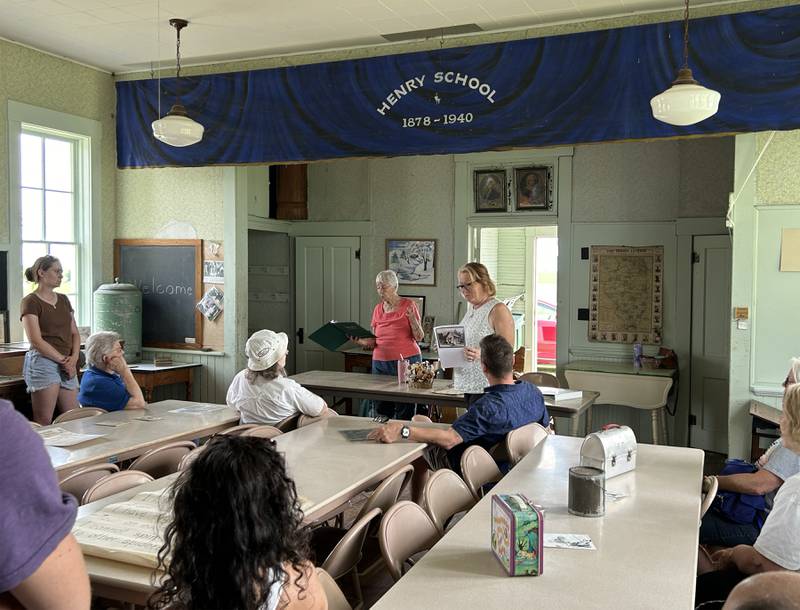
[[449, 392], [59, 437], [356, 435], [569, 541], [199, 409], [790, 250], [110, 424], [130, 532], [450, 342]]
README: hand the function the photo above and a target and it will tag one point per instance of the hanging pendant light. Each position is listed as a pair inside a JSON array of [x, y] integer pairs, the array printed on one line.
[[686, 102], [176, 128]]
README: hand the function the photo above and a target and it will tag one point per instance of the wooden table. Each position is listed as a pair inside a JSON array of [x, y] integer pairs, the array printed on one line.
[[379, 387], [136, 437], [149, 376], [327, 469], [646, 543], [12, 385], [766, 413], [622, 384]]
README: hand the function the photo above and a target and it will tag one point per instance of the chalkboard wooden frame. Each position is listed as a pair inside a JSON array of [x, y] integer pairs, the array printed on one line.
[[197, 246]]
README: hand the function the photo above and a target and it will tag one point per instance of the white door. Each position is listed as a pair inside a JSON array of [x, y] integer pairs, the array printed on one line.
[[327, 288], [711, 302]]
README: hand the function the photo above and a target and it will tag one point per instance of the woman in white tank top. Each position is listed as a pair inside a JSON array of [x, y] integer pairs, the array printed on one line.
[[485, 315]]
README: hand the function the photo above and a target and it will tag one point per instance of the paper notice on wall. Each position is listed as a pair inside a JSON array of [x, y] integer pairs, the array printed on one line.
[[790, 250]]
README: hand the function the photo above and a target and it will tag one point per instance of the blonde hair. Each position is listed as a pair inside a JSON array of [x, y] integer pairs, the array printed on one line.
[[791, 411], [794, 373], [479, 273]]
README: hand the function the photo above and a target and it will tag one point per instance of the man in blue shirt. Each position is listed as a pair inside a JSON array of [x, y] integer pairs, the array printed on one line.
[[108, 382], [505, 405]]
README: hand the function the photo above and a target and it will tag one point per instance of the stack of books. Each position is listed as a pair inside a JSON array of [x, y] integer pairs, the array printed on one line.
[[162, 361]]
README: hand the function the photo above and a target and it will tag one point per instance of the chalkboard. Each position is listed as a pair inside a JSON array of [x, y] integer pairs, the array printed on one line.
[[169, 274]]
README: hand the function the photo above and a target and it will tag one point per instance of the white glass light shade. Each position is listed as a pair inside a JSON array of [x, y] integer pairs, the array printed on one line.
[[685, 103], [177, 129]]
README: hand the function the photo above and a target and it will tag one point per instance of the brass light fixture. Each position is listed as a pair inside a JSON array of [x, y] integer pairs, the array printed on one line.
[[176, 128], [686, 102]]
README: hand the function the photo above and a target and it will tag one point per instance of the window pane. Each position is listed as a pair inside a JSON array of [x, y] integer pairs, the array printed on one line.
[[59, 217], [32, 215], [30, 252], [66, 254], [57, 165], [30, 160]]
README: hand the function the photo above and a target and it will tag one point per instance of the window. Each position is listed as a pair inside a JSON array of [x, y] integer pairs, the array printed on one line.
[[49, 196], [54, 173]]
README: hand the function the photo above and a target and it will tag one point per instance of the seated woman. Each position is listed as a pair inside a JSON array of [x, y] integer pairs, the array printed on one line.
[[778, 544], [262, 392], [774, 467], [108, 382], [236, 539]]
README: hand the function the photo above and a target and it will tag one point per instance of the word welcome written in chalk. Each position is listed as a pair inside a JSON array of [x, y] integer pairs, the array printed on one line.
[[451, 78], [153, 287]]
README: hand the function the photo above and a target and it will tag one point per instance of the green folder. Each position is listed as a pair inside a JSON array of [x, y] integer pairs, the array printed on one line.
[[335, 334]]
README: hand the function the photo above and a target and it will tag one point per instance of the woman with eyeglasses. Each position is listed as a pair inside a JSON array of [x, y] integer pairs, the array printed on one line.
[[397, 328], [485, 315]]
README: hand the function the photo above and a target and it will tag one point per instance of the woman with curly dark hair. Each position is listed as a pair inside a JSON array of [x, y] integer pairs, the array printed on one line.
[[236, 539]]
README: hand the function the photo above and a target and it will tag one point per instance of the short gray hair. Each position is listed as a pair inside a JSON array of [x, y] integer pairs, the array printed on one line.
[[388, 277], [98, 345]]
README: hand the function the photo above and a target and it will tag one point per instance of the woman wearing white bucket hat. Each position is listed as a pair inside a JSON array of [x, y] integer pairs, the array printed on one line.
[[262, 392]]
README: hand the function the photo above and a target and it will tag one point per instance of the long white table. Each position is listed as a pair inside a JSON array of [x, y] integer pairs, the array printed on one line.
[[135, 436], [383, 387], [327, 469], [646, 543]]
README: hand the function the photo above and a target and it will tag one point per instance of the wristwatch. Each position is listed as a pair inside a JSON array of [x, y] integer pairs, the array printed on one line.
[[405, 431]]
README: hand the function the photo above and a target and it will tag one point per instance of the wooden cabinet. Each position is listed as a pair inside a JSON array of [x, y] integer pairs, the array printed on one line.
[[292, 192]]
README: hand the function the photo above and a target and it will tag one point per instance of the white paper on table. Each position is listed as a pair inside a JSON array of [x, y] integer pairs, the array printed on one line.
[[129, 532], [450, 343], [58, 437], [569, 541], [199, 409]]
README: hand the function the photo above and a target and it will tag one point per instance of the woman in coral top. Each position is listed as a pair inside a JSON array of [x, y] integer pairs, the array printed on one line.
[[397, 328]]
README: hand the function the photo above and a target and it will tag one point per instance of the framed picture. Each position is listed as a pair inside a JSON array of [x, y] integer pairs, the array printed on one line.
[[490, 190], [533, 187], [413, 260], [419, 300]]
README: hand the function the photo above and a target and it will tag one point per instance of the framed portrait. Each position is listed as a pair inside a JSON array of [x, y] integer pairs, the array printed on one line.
[[413, 260], [420, 302], [490, 190], [533, 188]]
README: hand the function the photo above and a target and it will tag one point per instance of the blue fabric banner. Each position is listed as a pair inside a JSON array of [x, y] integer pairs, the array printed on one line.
[[587, 87]]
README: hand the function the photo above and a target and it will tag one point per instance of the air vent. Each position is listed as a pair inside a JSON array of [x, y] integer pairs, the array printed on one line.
[[467, 28]]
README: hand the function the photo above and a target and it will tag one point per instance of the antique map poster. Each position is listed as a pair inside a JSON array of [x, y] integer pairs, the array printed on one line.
[[626, 294]]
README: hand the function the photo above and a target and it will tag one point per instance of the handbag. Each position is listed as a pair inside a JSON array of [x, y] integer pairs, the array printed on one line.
[[746, 509]]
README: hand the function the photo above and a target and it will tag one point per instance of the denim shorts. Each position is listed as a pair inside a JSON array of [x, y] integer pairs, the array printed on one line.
[[40, 373]]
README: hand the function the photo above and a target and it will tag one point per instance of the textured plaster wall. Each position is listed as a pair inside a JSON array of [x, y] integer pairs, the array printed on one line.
[[49, 82], [706, 170], [147, 199], [631, 181], [338, 190], [777, 175], [646, 181], [413, 197]]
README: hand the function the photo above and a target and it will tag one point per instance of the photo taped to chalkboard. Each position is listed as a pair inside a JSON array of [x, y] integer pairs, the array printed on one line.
[[169, 274]]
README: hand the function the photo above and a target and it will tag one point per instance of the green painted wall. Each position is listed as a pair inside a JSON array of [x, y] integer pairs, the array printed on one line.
[[150, 199]]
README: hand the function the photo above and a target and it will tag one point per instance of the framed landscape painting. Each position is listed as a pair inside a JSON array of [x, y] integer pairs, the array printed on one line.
[[413, 260]]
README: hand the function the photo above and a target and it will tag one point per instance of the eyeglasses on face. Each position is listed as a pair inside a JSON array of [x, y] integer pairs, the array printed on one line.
[[465, 285]]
